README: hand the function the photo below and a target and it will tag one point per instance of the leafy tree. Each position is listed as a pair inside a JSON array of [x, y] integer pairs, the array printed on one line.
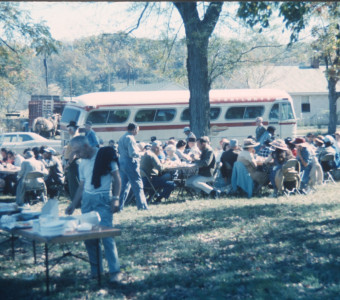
[[324, 18]]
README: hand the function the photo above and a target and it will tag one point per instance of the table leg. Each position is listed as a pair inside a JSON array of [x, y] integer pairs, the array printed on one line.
[[98, 261], [12, 246], [47, 270], [34, 253]]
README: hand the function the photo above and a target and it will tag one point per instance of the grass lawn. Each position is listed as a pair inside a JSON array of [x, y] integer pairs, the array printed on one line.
[[231, 248]]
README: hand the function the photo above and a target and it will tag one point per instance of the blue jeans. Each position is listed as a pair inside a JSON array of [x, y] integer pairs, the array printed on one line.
[[272, 175], [305, 175], [162, 182], [130, 173], [101, 203]]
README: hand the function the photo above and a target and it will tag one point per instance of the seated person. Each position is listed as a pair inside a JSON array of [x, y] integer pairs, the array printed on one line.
[[269, 134], [11, 179], [278, 158], [151, 167], [319, 146], [54, 166], [171, 154], [206, 167], [192, 150], [291, 145], [180, 151], [266, 149], [246, 156], [327, 149], [4, 152], [30, 164], [305, 157], [228, 159]]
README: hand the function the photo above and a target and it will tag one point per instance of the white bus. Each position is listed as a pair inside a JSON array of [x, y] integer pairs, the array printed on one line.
[[164, 114]]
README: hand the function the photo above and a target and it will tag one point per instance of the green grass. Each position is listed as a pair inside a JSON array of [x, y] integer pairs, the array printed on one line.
[[231, 248]]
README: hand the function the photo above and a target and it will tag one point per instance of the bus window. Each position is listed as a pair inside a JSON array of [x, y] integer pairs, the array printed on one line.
[[164, 115], [98, 116], [185, 116], [286, 111], [145, 115], [70, 114], [274, 113], [252, 112], [118, 116], [235, 113], [214, 114]]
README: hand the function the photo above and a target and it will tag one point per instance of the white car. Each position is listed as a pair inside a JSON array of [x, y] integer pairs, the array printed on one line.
[[19, 141]]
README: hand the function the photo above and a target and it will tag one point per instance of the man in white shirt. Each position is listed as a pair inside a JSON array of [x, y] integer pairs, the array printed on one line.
[[98, 173]]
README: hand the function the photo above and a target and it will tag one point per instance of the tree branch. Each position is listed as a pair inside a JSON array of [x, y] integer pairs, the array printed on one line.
[[140, 18], [8, 46]]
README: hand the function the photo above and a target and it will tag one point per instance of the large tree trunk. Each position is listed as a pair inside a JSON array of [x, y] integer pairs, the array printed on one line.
[[332, 99], [198, 33]]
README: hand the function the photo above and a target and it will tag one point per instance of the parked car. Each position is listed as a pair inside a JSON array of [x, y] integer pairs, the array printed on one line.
[[19, 141]]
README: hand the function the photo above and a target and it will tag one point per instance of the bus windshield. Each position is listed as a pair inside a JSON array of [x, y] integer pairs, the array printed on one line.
[[70, 114]]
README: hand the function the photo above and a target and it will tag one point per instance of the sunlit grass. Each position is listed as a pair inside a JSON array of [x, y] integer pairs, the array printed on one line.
[[259, 248]]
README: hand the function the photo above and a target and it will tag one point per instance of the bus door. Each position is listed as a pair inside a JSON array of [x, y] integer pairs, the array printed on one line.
[[281, 116]]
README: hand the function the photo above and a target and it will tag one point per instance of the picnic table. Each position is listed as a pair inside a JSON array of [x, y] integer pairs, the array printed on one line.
[[97, 233]]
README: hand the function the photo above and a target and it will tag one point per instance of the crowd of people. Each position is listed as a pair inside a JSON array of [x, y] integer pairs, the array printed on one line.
[[101, 178]]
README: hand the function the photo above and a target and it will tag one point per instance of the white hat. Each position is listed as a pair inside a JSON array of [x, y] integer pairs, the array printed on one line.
[[186, 129]]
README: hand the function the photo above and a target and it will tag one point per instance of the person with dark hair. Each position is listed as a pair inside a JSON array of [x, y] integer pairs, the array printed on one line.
[[206, 167], [180, 148], [291, 145], [305, 157], [4, 152], [228, 159], [98, 190], [269, 134], [129, 160]]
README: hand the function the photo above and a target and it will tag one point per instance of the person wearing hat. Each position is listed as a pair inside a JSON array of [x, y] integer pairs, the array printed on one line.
[[328, 148], [55, 178], [247, 157], [152, 168], [277, 158], [91, 135], [228, 159], [319, 145], [305, 157], [129, 161], [70, 161], [206, 164], [189, 134]]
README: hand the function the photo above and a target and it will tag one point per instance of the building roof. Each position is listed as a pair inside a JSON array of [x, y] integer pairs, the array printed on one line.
[[293, 79]]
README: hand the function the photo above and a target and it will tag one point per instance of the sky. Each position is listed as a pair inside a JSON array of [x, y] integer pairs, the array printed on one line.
[[72, 20]]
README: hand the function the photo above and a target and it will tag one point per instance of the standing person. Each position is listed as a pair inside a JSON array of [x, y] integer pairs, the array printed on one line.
[[260, 129], [206, 164], [98, 173], [91, 135], [129, 160], [71, 161]]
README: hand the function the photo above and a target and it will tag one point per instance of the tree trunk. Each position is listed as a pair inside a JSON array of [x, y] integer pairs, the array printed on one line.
[[332, 99], [198, 33], [46, 77], [197, 66]]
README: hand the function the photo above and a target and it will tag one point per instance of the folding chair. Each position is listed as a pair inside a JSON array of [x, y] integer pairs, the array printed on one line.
[[33, 187], [291, 179], [149, 190], [328, 164]]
